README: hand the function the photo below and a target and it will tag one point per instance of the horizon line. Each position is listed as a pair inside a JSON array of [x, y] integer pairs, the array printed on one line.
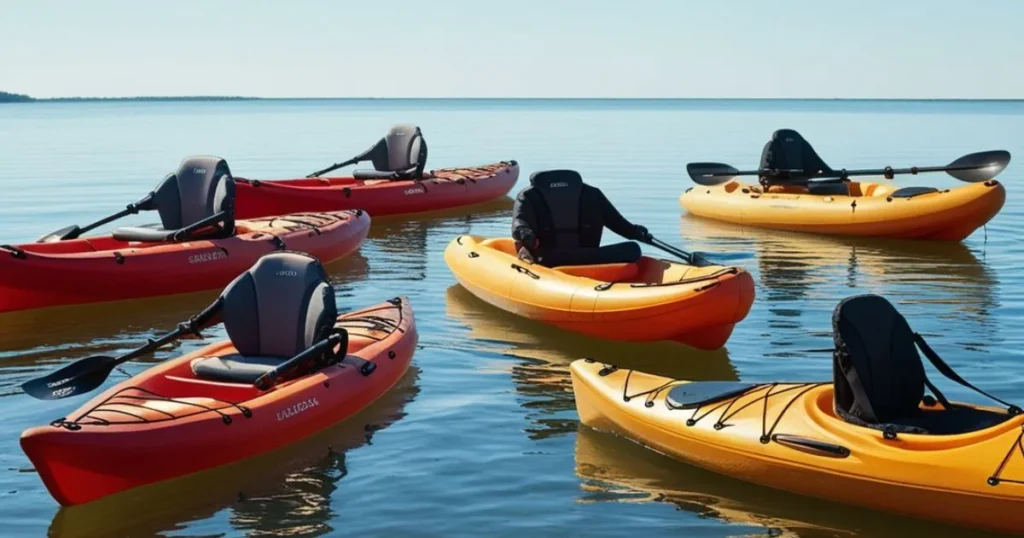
[[29, 99]]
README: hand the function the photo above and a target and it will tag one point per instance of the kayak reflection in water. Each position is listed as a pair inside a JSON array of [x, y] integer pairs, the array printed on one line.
[[558, 220]]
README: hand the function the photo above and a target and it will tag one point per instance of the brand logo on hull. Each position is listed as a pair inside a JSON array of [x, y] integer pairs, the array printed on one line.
[[294, 410], [207, 257]]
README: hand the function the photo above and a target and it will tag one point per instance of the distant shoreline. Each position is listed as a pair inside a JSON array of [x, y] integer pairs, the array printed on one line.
[[6, 97]]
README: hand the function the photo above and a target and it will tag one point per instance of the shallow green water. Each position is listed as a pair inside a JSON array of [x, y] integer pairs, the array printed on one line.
[[482, 436]]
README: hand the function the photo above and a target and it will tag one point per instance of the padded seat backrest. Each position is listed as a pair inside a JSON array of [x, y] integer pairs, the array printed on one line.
[[201, 188], [556, 199], [280, 307], [403, 150], [787, 150], [878, 374]]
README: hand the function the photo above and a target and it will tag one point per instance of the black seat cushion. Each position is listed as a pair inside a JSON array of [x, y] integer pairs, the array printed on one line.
[[625, 252], [235, 368], [377, 174], [698, 393]]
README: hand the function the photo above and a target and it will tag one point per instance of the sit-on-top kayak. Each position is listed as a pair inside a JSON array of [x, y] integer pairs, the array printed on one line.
[[439, 189], [170, 421], [651, 299], [854, 208], [103, 268], [197, 246], [969, 479], [872, 437]]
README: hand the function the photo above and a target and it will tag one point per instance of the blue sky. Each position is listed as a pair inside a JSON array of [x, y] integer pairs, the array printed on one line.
[[517, 48]]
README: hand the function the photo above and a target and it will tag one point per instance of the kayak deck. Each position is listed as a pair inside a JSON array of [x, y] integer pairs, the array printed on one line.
[[856, 208], [165, 422], [787, 436]]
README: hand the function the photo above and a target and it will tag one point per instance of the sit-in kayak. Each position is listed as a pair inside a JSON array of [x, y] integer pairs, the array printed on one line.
[[648, 300], [440, 189], [788, 436], [102, 268], [168, 422], [853, 208]]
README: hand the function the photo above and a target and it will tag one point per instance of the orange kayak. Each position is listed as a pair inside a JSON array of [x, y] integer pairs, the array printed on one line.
[[166, 423], [648, 300], [440, 189], [787, 436], [865, 209]]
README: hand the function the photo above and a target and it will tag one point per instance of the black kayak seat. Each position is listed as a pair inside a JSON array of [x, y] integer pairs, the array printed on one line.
[[700, 393], [879, 379], [277, 309], [910, 192], [200, 189]]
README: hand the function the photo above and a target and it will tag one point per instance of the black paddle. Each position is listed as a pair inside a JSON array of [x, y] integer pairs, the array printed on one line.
[[85, 375], [74, 231], [692, 258], [972, 168], [335, 166]]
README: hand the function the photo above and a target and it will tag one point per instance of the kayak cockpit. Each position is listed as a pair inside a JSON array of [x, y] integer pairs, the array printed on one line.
[[645, 271]]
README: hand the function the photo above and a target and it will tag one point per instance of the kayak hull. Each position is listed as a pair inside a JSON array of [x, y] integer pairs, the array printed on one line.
[[445, 189], [944, 478], [102, 269], [948, 215], [647, 301], [164, 423]]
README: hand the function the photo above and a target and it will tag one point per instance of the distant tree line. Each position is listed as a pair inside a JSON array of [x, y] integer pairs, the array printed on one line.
[[7, 97]]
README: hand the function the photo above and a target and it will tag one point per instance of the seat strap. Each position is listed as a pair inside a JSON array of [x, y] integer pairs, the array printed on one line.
[[858, 390], [947, 371]]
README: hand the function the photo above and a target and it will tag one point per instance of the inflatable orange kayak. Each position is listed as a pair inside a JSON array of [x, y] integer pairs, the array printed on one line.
[[644, 301], [166, 423], [101, 269], [788, 436], [860, 209], [439, 189]]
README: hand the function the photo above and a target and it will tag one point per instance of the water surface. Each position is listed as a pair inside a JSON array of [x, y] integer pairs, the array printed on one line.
[[482, 435]]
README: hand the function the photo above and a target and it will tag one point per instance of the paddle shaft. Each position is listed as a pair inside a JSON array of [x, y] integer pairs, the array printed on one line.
[[335, 166], [192, 326]]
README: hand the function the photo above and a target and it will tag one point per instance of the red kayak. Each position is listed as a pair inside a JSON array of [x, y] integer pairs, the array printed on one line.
[[200, 246], [439, 189], [224, 403], [397, 184]]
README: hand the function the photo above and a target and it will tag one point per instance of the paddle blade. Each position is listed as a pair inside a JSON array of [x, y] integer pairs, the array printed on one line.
[[711, 174], [978, 167], [63, 234], [78, 377]]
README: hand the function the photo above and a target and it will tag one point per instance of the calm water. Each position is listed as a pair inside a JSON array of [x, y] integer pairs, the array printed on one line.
[[482, 435]]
